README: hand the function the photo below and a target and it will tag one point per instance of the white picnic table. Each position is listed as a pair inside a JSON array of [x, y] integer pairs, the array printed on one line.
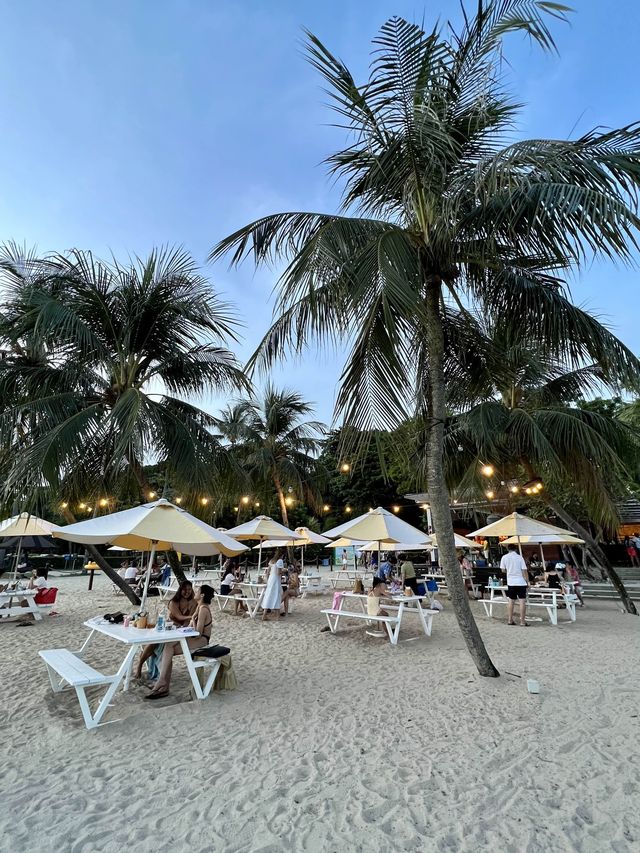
[[545, 597], [202, 577], [348, 576], [251, 597], [311, 583], [28, 595], [64, 665], [401, 604]]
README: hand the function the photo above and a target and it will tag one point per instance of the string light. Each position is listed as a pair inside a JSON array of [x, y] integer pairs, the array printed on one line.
[[235, 509], [89, 508], [326, 508], [204, 501], [370, 509], [345, 467], [152, 495], [490, 495], [103, 502], [178, 501], [396, 509], [245, 500], [82, 506], [488, 470], [514, 490], [64, 505], [347, 509], [257, 503], [288, 501]]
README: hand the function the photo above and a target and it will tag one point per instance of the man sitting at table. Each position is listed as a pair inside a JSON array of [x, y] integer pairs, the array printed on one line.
[[517, 583]]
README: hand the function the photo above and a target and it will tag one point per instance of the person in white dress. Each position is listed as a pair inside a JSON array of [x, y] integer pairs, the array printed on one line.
[[272, 598]]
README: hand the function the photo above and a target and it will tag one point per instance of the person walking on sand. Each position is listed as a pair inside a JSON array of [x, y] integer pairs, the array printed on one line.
[[272, 598], [517, 583]]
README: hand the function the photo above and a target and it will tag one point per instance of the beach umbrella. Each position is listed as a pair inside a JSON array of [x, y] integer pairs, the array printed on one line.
[[544, 539], [21, 526], [460, 542], [516, 525], [309, 537], [381, 526], [398, 546], [156, 526], [264, 529]]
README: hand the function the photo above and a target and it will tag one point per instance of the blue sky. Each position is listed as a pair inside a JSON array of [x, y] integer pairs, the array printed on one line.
[[132, 123]]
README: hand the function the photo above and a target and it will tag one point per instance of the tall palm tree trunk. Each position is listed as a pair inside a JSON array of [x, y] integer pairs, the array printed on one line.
[[281, 500], [437, 487], [176, 566], [596, 552]]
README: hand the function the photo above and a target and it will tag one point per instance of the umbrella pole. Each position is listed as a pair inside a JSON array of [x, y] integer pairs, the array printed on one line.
[[15, 565], [542, 555], [260, 555], [520, 547], [148, 576], [302, 558]]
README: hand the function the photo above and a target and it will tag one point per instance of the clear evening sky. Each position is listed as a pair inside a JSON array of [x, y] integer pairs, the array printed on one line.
[[126, 124]]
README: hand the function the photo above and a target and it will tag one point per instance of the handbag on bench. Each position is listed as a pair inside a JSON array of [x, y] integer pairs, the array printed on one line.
[[211, 652]]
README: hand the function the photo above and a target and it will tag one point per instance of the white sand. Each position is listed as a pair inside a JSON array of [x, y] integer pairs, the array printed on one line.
[[331, 743]]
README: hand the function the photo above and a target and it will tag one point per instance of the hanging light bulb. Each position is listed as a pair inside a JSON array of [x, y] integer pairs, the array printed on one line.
[[82, 506], [152, 495], [204, 501], [490, 495], [488, 470], [347, 509], [245, 499], [104, 502], [396, 508], [345, 467], [326, 508], [235, 509], [64, 505], [288, 501], [257, 503], [178, 501], [514, 489]]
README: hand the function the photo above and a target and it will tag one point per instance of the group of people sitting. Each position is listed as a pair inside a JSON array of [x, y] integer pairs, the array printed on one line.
[[397, 568], [187, 608], [283, 584]]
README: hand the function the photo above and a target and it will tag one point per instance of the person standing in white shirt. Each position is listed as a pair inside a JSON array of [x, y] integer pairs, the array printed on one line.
[[516, 568]]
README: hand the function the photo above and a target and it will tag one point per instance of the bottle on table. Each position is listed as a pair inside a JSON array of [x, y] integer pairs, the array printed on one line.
[[160, 623]]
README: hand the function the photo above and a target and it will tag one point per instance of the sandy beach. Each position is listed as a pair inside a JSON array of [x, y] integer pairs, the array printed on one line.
[[331, 743]]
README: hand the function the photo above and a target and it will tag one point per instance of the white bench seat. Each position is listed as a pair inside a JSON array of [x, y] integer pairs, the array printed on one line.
[[390, 622], [64, 667], [549, 606]]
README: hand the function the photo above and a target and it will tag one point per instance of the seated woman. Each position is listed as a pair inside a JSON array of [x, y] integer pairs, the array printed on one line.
[[552, 578], [202, 620], [227, 587], [378, 590], [181, 608]]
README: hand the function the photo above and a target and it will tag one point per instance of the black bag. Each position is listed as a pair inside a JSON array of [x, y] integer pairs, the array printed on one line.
[[211, 652], [114, 618]]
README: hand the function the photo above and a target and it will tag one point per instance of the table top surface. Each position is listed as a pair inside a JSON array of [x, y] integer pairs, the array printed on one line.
[[404, 599], [12, 593], [135, 636]]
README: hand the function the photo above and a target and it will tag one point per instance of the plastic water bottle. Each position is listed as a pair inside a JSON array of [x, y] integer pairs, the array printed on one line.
[[160, 622], [493, 581]]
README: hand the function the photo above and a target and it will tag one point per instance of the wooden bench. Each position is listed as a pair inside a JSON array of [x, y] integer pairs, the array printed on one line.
[[390, 622], [64, 666]]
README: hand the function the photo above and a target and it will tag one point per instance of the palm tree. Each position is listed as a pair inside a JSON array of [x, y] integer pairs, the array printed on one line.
[[440, 208], [275, 446], [521, 415], [98, 360]]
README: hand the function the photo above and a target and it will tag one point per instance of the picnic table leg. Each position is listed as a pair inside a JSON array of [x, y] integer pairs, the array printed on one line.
[[553, 614], [85, 645], [33, 608], [125, 669], [426, 619]]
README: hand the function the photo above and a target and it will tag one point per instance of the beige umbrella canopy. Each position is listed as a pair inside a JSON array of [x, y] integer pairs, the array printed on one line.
[[544, 539], [309, 537], [518, 526], [23, 525], [265, 529], [460, 542], [381, 526], [155, 526], [398, 546]]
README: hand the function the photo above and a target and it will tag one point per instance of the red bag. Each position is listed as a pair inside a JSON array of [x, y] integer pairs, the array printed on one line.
[[46, 596]]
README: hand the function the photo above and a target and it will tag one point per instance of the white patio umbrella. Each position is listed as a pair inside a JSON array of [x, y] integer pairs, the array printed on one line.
[[309, 537], [156, 526], [381, 526], [460, 542], [264, 529], [517, 526], [20, 526], [398, 546], [545, 539]]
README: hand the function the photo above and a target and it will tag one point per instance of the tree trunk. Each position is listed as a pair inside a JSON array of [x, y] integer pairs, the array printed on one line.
[[112, 574], [281, 500], [437, 487], [176, 566], [596, 552]]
